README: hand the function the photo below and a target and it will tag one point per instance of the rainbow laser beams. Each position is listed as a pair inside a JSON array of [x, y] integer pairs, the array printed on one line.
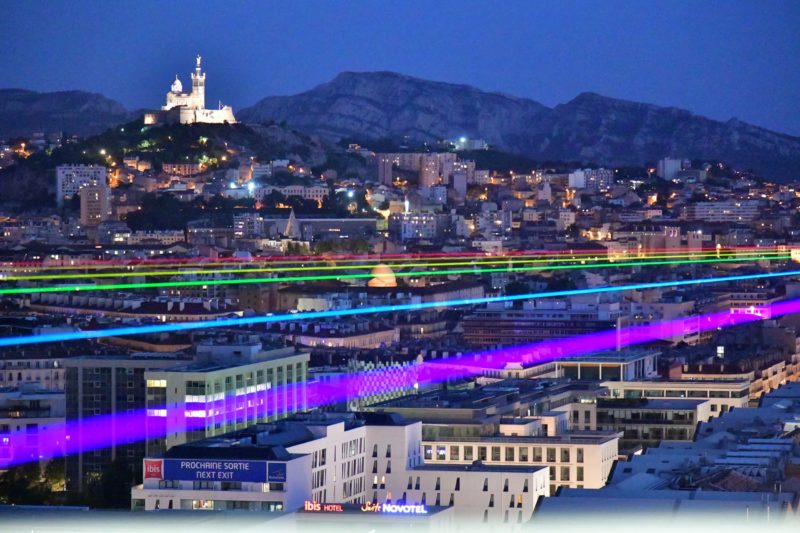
[[249, 321], [331, 277], [514, 259], [69, 264], [105, 430]]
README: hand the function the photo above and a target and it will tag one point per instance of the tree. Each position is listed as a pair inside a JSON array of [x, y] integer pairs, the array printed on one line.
[[22, 484], [55, 474]]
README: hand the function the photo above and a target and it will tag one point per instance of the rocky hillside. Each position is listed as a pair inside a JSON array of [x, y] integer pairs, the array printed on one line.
[[23, 112], [590, 128], [383, 104]]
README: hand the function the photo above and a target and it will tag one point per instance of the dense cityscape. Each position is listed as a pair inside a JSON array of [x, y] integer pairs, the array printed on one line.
[[206, 310]]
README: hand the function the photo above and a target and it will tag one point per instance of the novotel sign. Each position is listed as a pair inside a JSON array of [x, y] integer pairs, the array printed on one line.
[[214, 470], [369, 507]]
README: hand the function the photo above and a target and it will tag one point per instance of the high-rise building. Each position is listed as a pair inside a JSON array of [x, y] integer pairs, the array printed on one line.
[[429, 171], [95, 204], [70, 179], [106, 386], [668, 168], [385, 164]]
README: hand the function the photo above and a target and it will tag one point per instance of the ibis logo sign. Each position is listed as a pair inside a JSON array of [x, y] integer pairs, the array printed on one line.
[[154, 469]]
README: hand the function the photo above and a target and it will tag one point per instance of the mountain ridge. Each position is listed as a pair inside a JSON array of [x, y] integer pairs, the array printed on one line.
[[383, 104], [589, 127], [23, 111]]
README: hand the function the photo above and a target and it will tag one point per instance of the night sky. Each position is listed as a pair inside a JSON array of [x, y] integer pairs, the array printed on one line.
[[717, 58]]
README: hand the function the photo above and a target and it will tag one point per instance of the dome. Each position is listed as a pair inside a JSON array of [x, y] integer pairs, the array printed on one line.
[[177, 86], [382, 276]]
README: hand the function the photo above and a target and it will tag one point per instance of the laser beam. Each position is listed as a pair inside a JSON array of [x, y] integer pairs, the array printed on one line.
[[93, 433], [248, 321]]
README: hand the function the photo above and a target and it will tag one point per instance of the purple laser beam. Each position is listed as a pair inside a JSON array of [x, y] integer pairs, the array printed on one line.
[[102, 431]]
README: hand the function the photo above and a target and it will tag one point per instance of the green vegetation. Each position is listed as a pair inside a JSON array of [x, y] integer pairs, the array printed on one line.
[[165, 212], [28, 484]]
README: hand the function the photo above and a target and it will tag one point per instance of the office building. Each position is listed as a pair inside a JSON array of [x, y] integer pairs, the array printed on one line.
[[228, 387]]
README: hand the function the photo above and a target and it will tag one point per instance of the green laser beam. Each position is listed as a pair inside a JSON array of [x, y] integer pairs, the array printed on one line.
[[243, 281], [427, 264]]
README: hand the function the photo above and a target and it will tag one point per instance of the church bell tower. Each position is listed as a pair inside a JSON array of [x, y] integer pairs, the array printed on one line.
[[198, 87]]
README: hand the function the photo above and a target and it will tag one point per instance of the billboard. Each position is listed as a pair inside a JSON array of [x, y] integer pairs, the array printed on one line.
[[215, 470]]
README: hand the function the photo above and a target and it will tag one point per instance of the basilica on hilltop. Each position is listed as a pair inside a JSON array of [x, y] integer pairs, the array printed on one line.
[[190, 107]]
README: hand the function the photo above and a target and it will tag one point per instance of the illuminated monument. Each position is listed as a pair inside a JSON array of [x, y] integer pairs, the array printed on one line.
[[190, 107]]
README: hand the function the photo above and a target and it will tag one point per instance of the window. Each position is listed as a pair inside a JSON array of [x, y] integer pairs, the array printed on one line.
[[509, 453], [565, 455], [427, 452], [537, 454], [458, 484], [468, 453], [388, 450], [438, 485], [491, 500], [551, 455], [454, 453], [552, 475], [441, 453], [481, 453], [579, 474], [579, 455], [375, 450], [505, 485], [564, 473], [495, 453], [523, 454], [524, 487], [485, 484]]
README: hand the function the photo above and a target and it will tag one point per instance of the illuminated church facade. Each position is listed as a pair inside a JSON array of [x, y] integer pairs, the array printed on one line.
[[190, 107]]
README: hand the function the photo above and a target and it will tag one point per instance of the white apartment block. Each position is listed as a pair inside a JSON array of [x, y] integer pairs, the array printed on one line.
[[729, 211], [576, 460], [317, 193], [71, 178], [332, 459], [49, 372], [314, 457], [506, 494]]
